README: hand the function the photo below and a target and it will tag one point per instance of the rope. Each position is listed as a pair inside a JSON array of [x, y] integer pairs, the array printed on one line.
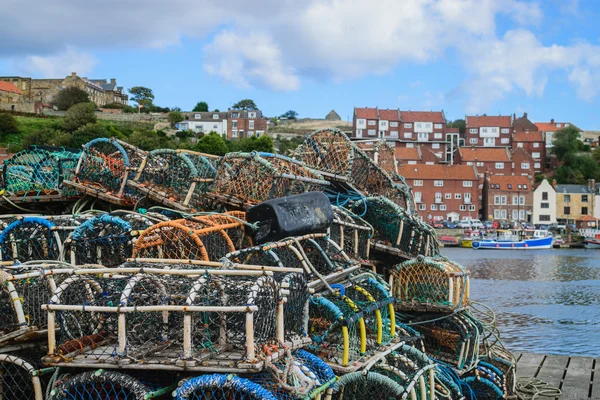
[[17, 206], [534, 388]]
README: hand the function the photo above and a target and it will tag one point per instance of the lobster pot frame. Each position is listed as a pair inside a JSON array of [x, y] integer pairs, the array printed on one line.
[[221, 387], [369, 386], [430, 284], [206, 320], [139, 222], [31, 238], [100, 385], [381, 153], [397, 229], [104, 168], [321, 259], [171, 178], [104, 240], [453, 338], [21, 379], [504, 361], [486, 381], [37, 172], [245, 179], [351, 233], [207, 238]]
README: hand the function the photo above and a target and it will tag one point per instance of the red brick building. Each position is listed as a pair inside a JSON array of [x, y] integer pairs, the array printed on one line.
[[488, 131], [533, 143], [426, 128], [416, 155], [507, 198], [243, 123], [522, 163], [443, 192], [549, 128], [365, 123]]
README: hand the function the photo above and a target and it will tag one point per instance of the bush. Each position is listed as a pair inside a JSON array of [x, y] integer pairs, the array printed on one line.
[[129, 110], [174, 117], [87, 133], [115, 106], [147, 139], [47, 137], [70, 96], [185, 134], [78, 116], [8, 126], [212, 143], [263, 143]]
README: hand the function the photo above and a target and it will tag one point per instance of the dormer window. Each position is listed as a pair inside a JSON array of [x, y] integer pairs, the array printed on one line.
[[215, 116], [197, 116]]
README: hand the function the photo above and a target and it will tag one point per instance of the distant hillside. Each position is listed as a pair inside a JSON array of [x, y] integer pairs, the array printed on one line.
[[304, 127]]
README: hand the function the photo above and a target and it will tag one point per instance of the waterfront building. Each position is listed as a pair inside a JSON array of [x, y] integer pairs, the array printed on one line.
[[443, 192], [576, 201], [496, 160], [544, 204], [245, 123], [204, 122], [488, 131], [507, 198]]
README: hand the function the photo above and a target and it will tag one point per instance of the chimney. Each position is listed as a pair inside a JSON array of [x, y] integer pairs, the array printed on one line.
[[73, 73], [113, 80], [592, 184], [552, 121], [554, 183], [525, 115]]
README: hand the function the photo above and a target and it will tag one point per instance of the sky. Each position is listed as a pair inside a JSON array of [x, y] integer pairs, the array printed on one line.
[[465, 57]]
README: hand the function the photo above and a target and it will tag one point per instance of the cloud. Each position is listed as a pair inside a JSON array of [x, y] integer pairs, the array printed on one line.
[[586, 82], [58, 65]]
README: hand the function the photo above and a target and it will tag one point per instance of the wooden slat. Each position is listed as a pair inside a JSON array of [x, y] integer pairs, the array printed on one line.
[[553, 370], [576, 384], [596, 382], [529, 364]]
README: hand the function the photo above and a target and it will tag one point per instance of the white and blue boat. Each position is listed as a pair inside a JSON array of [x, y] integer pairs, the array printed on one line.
[[515, 240]]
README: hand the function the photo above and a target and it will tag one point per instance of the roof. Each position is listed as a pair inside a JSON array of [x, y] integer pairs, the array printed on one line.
[[407, 153], [333, 116], [9, 87], [535, 136], [574, 189], [437, 171], [191, 116], [587, 218], [488, 120], [484, 154], [366, 113], [514, 180], [551, 126], [389, 115], [423, 116]]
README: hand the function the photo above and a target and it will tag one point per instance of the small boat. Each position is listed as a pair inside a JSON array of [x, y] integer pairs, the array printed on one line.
[[449, 241], [516, 240], [592, 243], [469, 238]]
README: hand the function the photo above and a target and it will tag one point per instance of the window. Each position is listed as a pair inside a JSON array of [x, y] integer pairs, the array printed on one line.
[[407, 135], [537, 165], [438, 197], [438, 126], [515, 214], [418, 183], [372, 122], [567, 198], [457, 196], [515, 200], [448, 196], [467, 183], [519, 186], [505, 140], [422, 207], [235, 115], [499, 165], [434, 207], [215, 127], [525, 187], [442, 207], [489, 142], [480, 164], [497, 200], [535, 155], [544, 195], [503, 198], [234, 133], [522, 200], [496, 214], [417, 197], [469, 163], [484, 130], [471, 207], [558, 125], [473, 130], [545, 205], [383, 123], [519, 144], [437, 135], [394, 134], [462, 207], [525, 165], [251, 124], [584, 210], [215, 116], [438, 183], [503, 214], [252, 114], [423, 137], [509, 185], [584, 198], [544, 217], [371, 132], [408, 125], [435, 145], [467, 197], [410, 145], [536, 144], [412, 162], [197, 116], [567, 210], [234, 124], [505, 130], [393, 124], [473, 140]]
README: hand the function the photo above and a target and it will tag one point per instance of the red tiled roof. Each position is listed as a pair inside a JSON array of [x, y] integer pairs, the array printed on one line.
[[487, 120], [389, 115], [483, 154], [438, 171], [551, 126], [9, 87], [367, 113], [514, 180], [423, 116], [528, 136], [407, 153], [586, 218]]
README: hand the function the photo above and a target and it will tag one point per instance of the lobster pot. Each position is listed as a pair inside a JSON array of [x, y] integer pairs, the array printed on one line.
[[103, 169], [395, 228], [171, 178], [221, 387], [381, 153], [66, 224], [37, 172], [139, 222], [100, 384], [245, 179], [370, 386], [504, 361], [21, 377], [181, 319], [105, 240], [351, 233], [430, 284], [452, 338], [30, 238], [200, 238]]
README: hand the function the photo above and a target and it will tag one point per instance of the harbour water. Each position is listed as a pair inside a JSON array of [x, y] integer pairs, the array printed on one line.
[[546, 301]]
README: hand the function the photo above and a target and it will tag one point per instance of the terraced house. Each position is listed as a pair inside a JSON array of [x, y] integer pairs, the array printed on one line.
[[488, 131], [507, 198], [576, 201]]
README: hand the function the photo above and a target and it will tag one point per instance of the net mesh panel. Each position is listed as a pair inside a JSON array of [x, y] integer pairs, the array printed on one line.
[[159, 334], [503, 360], [30, 238], [221, 387], [351, 233], [17, 381], [104, 240], [100, 384], [36, 172], [256, 177], [430, 284], [369, 386], [484, 385], [137, 221]]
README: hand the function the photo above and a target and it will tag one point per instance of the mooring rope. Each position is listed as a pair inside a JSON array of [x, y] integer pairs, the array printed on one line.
[[534, 388]]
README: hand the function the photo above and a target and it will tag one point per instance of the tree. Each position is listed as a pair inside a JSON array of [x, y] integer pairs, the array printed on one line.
[[174, 117], [176, 109], [202, 106], [79, 115], [458, 123], [70, 96], [212, 143], [217, 110], [263, 143], [87, 133], [566, 142], [142, 95], [8, 126], [291, 114], [596, 154], [245, 104], [147, 139], [577, 169]]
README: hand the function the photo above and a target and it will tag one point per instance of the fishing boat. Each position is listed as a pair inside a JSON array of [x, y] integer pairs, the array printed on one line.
[[469, 237], [516, 240], [592, 242], [449, 241]]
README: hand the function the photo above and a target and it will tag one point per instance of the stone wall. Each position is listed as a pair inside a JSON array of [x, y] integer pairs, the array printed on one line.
[[155, 117], [23, 107]]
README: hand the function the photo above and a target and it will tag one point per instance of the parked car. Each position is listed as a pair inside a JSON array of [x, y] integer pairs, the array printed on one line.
[[542, 227], [450, 225], [464, 224], [488, 225], [438, 224], [476, 224], [561, 226]]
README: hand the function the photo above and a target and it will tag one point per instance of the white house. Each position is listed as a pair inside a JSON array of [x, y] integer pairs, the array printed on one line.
[[204, 122], [544, 204]]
